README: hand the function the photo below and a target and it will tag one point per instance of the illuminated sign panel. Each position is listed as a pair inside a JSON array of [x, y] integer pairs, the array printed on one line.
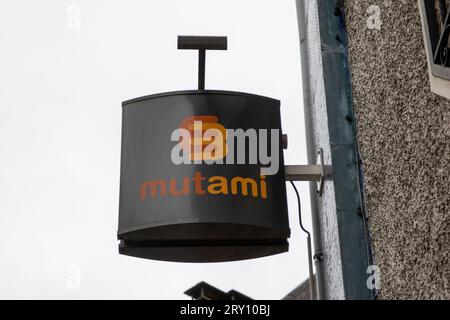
[[202, 177]]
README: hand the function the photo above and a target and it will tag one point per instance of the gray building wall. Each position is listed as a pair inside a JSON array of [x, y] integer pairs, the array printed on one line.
[[317, 125], [339, 228], [403, 131]]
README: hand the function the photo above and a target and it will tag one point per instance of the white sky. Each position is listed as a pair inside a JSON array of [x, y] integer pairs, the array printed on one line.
[[61, 89]]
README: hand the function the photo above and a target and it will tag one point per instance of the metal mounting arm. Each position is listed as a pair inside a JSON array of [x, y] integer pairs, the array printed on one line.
[[316, 172]]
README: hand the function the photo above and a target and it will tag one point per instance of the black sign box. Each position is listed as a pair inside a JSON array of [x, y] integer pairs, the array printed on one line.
[[198, 212]]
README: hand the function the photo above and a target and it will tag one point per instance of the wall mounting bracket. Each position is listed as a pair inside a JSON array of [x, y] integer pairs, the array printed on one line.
[[318, 172]]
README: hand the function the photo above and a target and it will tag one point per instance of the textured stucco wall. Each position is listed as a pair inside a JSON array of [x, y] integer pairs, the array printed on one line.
[[404, 140]]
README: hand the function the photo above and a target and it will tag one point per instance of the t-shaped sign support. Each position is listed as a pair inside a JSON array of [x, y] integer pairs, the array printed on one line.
[[202, 43]]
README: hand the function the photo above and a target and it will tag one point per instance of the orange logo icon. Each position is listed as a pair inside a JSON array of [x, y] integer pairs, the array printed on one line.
[[207, 138]]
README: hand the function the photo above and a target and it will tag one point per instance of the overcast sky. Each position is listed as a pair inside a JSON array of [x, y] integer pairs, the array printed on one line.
[[65, 68]]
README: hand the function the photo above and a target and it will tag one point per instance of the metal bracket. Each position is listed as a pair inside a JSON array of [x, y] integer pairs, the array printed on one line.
[[318, 172]]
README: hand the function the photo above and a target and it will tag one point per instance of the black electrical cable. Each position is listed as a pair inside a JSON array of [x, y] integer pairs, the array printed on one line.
[[312, 290], [299, 208]]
